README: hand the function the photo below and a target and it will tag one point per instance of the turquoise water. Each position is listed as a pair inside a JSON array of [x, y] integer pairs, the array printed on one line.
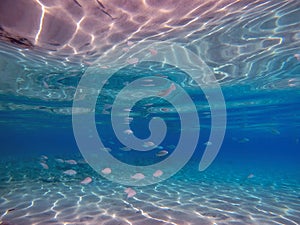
[[250, 50]]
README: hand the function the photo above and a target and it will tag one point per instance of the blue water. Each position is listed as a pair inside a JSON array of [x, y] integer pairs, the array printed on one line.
[[262, 132], [262, 139], [255, 177]]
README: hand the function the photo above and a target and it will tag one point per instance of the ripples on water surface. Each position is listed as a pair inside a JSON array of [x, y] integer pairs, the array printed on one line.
[[249, 45]]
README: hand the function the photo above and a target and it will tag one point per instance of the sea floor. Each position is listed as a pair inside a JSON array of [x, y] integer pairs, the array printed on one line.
[[223, 194]]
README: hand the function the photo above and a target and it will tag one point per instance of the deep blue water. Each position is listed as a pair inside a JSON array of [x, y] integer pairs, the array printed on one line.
[[256, 136]]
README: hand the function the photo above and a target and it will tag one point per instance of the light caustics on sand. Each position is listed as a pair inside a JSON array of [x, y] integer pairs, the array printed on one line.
[[65, 200]]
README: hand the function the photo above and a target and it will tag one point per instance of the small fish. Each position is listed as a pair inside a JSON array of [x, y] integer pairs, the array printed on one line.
[[128, 119], [275, 132], [208, 143], [167, 91], [148, 104], [138, 176], [162, 76], [158, 173], [244, 140], [128, 131], [45, 84], [44, 165], [70, 172], [251, 175], [125, 149], [105, 112], [148, 80], [59, 160], [148, 144], [162, 153], [106, 171], [127, 190], [71, 162], [153, 51], [171, 146], [132, 61], [82, 161], [107, 106], [44, 157], [105, 149], [87, 63], [87, 180], [130, 43], [130, 192], [125, 49], [241, 140], [164, 109], [297, 56], [293, 82]]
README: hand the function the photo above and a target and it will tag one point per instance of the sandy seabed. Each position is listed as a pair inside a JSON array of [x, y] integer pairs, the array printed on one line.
[[33, 195]]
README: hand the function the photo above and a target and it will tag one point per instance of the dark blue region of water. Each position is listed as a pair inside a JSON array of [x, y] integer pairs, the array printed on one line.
[[263, 125], [259, 146]]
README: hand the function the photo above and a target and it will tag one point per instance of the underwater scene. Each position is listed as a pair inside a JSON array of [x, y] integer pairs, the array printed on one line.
[[149, 112]]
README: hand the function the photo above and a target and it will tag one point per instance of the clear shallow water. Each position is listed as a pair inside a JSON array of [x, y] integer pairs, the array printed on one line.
[[250, 47]]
